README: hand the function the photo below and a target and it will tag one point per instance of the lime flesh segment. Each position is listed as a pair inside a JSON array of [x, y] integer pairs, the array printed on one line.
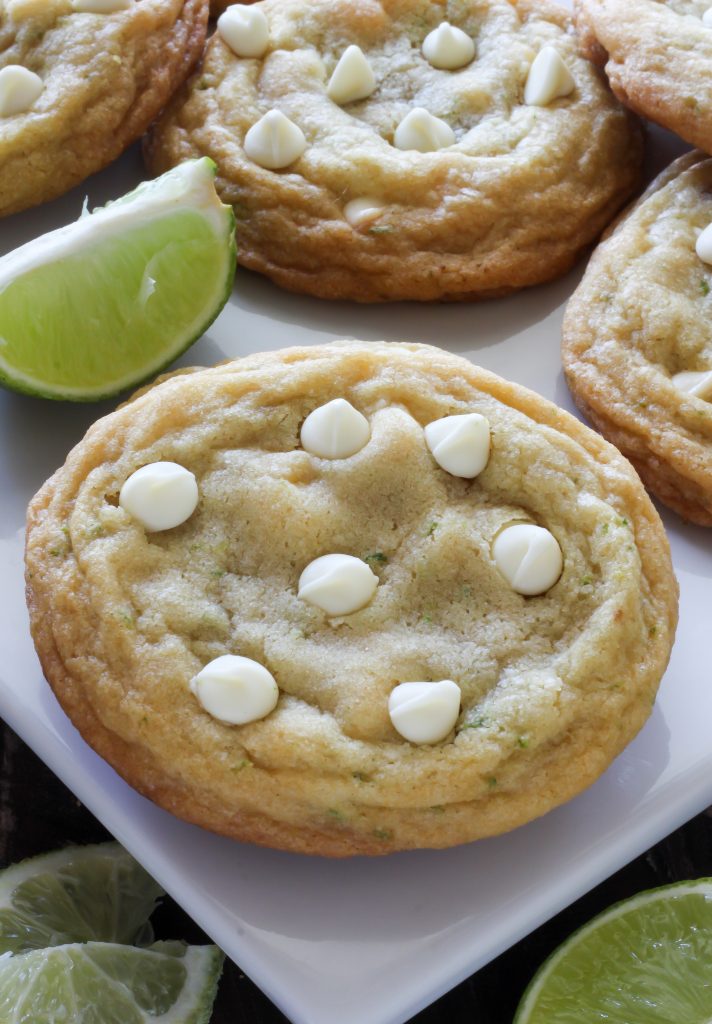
[[104, 303], [75, 895], [105, 983], [644, 961]]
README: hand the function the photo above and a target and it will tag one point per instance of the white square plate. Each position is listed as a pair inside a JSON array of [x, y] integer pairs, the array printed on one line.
[[362, 940]]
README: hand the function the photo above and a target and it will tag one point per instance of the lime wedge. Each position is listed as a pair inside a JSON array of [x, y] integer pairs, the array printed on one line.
[[643, 961], [104, 983], [75, 895], [100, 305]]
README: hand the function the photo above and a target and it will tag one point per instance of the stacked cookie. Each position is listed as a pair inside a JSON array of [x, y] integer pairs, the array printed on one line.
[[637, 349], [351, 598], [82, 79], [376, 151]]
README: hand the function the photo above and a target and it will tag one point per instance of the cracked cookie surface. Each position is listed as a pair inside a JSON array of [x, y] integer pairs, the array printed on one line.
[[658, 58], [641, 316], [512, 202], [105, 77], [553, 686]]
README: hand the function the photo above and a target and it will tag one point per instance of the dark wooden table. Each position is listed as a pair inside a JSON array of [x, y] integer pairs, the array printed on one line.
[[38, 814]]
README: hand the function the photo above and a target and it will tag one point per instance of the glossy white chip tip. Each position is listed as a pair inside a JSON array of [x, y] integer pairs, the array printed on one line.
[[460, 444], [19, 89], [352, 79], [529, 558], [274, 141], [361, 211], [448, 47], [245, 29], [697, 383], [707, 17], [549, 78], [338, 584], [424, 712], [335, 430], [160, 496], [235, 690], [703, 245], [100, 6], [420, 130]]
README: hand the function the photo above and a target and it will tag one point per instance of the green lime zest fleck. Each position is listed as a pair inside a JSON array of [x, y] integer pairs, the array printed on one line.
[[476, 723], [432, 527], [218, 573], [522, 742], [704, 287], [604, 528], [427, 618], [383, 833], [380, 229], [623, 521], [652, 631], [241, 765], [586, 581], [376, 557], [336, 814], [126, 617], [58, 552], [491, 782]]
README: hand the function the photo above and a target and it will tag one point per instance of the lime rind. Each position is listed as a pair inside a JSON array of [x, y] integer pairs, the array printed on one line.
[[107, 302], [659, 965]]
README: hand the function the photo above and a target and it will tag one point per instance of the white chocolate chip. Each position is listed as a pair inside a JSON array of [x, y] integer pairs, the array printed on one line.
[[160, 496], [424, 712], [338, 584], [235, 690], [335, 430], [352, 78], [694, 383], [448, 47], [245, 30], [703, 245], [100, 6], [529, 558], [549, 78], [460, 444], [360, 211], [707, 17], [422, 131], [274, 141], [19, 89]]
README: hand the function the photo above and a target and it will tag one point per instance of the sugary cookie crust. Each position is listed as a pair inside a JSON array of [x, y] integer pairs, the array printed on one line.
[[641, 315], [553, 687], [512, 203], [658, 58], [106, 77]]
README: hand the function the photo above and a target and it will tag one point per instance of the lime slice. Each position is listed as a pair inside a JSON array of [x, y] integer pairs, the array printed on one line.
[[100, 305], [104, 983], [75, 895], [643, 961]]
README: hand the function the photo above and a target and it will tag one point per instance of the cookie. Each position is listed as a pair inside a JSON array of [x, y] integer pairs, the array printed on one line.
[[637, 345], [658, 58], [82, 79], [348, 599], [405, 149]]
